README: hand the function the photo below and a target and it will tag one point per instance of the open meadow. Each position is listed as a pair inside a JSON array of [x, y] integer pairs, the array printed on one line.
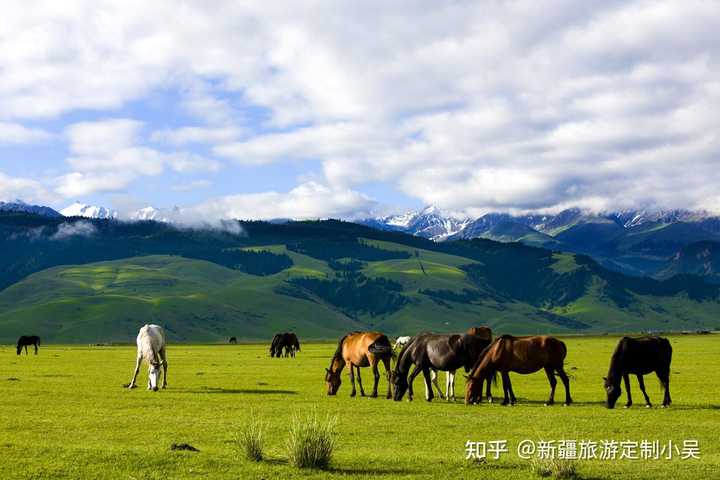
[[64, 414]]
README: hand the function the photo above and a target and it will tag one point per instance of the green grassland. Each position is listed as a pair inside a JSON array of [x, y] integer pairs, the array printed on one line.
[[197, 300], [66, 415]]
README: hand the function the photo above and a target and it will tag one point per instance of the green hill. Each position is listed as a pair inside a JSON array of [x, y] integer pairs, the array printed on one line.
[[320, 279]]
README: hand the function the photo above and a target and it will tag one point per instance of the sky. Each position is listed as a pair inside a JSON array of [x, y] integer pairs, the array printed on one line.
[[287, 109]]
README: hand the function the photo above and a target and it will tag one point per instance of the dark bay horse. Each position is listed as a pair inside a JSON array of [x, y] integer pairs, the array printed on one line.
[[233, 341], [429, 351], [638, 356], [359, 349], [25, 341], [482, 332], [522, 355], [287, 341]]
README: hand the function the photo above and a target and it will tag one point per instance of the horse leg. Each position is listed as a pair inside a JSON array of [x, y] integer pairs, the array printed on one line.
[[488, 392], [566, 384], [376, 376], [26, 349], [505, 382], [411, 379], [429, 395], [451, 376], [36, 349], [553, 383], [513, 400], [164, 364], [386, 362], [626, 379], [352, 380], [135, 374], [434, 380], [641, 382], [665, 381], [362, 390]]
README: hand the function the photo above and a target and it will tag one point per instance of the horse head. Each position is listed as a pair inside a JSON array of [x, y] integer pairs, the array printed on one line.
[[613, 391], [399, 385], [332, 379], [473, 390], [154, 371]]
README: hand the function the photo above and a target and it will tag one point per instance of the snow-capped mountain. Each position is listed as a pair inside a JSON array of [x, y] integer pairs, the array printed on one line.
[[78, 209], [430, 223], [22, 207], [155, 214]]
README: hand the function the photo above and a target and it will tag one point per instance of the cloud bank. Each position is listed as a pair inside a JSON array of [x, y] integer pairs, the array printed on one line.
[[466, 105]]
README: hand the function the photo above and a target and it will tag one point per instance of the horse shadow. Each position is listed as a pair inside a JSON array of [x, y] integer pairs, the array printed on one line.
[[241, 391]]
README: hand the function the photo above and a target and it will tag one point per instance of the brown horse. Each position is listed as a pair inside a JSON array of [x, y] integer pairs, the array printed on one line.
[[480, 332], [521, 355], [359, 349]]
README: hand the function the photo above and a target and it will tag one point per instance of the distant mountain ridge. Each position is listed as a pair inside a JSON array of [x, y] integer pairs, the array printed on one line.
[[19, 206]]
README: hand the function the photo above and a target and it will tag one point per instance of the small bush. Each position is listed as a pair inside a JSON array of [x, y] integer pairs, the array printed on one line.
[[555, 468], [311, 442], [250, 441]]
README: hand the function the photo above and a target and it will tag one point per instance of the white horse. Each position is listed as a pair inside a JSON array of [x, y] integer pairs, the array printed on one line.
[[151, 347]]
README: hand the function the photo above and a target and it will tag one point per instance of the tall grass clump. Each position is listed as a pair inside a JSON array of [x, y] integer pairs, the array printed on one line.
[[312, 441], [250, 440], [556, 468]]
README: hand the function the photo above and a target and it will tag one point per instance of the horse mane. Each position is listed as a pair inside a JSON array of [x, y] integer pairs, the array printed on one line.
[[401, 355], [338, 351], [492, 372]]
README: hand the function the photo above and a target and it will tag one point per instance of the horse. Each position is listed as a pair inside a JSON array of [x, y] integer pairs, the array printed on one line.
[[482, 332], [151, 347], [24, 341], [287, 341], [401, 342], [359, 349], [233, 341], [429, 351], [522, 355], [638, 356]]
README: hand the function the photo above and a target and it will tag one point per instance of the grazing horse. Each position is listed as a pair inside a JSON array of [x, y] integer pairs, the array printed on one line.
[[151, 347], [24, 341], [638, 356], [233, 341], [429, 351], [288, 341], [359, 349], [522, 355], [400, 342]]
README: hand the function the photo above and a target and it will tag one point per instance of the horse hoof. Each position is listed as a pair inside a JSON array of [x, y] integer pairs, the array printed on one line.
[[648, 406], [626, 406]]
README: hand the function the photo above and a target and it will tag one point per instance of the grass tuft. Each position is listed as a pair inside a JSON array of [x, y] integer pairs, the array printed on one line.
[[312, 441], [250, 441], [555, 468]]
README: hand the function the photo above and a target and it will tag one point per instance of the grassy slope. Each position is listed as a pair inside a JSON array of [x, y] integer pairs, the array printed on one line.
[[66, 416], [201, 301]]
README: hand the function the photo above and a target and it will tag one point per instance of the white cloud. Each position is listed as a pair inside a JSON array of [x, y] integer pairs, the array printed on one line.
[[309, 200], [512, 106], [108, 156], [14, 133], [76, 229], [13, 188], [191, 186]]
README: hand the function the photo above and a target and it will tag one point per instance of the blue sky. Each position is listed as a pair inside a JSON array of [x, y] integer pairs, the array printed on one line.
[[282, 109]]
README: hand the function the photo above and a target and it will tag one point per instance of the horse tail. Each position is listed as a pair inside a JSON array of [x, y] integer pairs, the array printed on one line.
[[381, 347]]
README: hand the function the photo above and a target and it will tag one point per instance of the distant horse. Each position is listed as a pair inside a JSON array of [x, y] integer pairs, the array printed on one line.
[[638, 356], [359, 349], [233, 340], [287, 341], [401, 342], [151, 347], [25, 341], [522, 355], [427, 352]]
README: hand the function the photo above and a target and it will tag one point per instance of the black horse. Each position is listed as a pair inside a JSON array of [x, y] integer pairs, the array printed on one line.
[[288, 341], [25, 341], [639, 356], [233, 340], [428, 351]]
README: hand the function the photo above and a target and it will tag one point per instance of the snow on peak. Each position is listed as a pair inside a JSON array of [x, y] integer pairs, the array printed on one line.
[[78, 209]]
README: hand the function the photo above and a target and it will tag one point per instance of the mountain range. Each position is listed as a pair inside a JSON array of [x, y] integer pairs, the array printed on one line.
[[635, 242]]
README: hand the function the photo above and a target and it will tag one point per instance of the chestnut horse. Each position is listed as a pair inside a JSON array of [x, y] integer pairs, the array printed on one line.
[[359, 349], [521, 355]]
